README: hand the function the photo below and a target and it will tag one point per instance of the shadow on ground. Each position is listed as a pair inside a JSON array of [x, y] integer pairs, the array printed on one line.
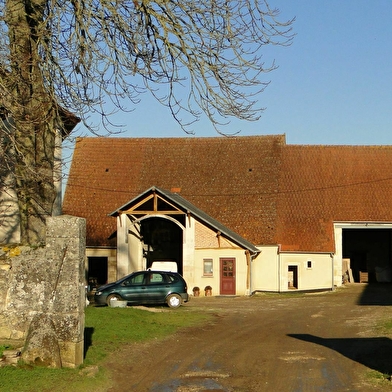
[[379, 294], [374, 353], [88, 339]]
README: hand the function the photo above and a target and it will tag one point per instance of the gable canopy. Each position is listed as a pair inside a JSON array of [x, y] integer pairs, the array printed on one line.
[[159, 201]]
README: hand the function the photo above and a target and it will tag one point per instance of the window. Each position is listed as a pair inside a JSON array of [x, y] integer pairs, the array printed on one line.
[[207, 267], [309, 264], [153, 277], [134, 279], [172, 278]]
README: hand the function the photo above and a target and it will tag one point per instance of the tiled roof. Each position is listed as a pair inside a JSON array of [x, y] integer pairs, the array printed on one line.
[[320, 185], [234, 180], [260, 188]]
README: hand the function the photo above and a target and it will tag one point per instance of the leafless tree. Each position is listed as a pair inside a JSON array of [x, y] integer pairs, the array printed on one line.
[[79, 54]]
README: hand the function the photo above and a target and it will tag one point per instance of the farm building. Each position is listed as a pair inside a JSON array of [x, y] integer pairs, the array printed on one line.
[[239, 214]]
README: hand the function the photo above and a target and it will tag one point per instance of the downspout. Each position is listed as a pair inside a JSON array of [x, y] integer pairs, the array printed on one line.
[[249, 259], [279, 269], [333, 275], [249, 271]]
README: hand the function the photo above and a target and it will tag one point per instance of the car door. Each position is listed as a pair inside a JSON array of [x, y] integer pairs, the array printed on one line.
[[157, 287], [134, 288]]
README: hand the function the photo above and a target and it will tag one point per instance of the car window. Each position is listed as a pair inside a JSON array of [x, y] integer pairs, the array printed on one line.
[[154, 277], [172, 278], [133, 280]]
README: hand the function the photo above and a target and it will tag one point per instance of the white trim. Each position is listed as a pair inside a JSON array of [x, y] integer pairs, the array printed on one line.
[[338, 237], [159, 216], [363, 225]]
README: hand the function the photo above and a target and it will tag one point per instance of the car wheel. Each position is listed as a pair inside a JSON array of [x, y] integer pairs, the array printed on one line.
[[114, 297], [174, 300]]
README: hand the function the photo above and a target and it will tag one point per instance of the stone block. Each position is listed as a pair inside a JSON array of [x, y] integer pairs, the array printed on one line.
[[66, 226], [72, 353], [48, 281]]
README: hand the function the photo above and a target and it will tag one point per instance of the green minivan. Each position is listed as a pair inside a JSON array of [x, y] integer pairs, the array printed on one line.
[[145, 287]]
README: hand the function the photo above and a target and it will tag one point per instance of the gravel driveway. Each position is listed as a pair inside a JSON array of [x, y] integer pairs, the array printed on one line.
[[329, 341]]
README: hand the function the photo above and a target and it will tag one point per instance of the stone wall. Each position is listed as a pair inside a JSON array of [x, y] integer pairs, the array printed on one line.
[[45, 287]]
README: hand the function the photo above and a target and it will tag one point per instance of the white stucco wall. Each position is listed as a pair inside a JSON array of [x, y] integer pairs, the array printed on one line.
[[338, 256], [265, 270], [318, 276], [270, 270], [200, 280], [188, 252], [135, 248], [123, 265]]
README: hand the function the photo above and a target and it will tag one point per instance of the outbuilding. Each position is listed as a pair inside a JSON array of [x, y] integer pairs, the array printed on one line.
[[238, 214]]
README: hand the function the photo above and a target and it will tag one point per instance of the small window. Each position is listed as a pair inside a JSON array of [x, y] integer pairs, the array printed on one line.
[[207, 267], [309, 264]]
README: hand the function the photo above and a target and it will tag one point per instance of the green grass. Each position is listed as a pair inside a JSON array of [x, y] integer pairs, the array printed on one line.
[[106, 330], [385, 327], [2, 348]]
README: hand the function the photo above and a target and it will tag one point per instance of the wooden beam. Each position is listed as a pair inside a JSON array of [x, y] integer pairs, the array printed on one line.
[[149, 212]]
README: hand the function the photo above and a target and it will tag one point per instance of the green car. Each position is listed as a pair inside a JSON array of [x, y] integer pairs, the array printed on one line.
[[145, 287]]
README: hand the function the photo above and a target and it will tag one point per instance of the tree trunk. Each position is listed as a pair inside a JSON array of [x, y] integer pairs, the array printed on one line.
[[33, 113]]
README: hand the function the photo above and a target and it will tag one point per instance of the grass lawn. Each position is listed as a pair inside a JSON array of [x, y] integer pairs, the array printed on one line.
[[106, 330]]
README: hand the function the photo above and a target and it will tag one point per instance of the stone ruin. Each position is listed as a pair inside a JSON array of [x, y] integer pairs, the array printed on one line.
[[42, 295]]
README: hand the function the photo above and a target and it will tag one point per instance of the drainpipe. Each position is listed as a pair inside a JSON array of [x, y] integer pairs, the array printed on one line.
[[248, 271], [333, 275], [249, 259], [279, 268]]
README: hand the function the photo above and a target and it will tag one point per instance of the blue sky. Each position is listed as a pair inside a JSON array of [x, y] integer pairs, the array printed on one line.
[[333, 84]]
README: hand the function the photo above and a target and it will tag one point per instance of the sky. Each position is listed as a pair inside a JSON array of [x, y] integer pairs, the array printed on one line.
[[333, 84]]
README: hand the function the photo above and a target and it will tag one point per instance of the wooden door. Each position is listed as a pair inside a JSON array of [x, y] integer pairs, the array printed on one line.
[[227, 276]]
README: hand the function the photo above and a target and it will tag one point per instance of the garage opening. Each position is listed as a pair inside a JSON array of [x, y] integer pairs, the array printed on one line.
[[162, 241], [97, 274], [369, 252]]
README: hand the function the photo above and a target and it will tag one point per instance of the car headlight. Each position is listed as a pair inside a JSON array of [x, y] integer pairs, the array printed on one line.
[[98, 293]]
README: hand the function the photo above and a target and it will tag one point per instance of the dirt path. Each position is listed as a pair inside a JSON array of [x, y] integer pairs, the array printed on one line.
[[317, 342]]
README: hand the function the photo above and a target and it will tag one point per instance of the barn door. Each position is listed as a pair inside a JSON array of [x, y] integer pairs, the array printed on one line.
[[227, 276]]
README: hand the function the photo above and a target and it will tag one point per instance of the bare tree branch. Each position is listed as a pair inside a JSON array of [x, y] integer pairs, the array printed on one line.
[[194, 56]]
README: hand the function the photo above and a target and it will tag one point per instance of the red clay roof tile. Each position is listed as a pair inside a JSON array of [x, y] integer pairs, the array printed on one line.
[[221, 176], [320, 185], [264, 190]]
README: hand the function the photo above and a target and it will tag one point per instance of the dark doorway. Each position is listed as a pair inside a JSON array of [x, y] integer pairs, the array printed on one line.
[[162, 240], [369, 251], [293, 277], [97, 271]]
